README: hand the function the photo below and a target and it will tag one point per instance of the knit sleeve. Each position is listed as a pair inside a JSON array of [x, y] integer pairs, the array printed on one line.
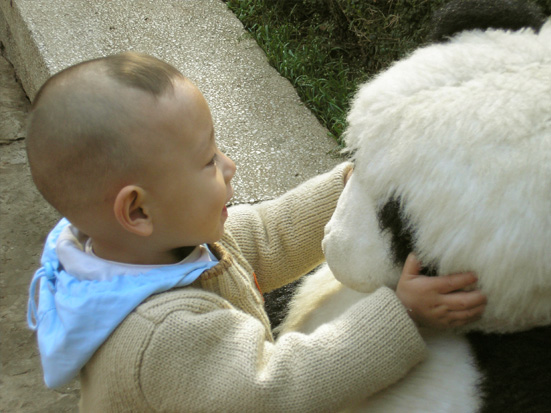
[[220, 360], [281, 239]]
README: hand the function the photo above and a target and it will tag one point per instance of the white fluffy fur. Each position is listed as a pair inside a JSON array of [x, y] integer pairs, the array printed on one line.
[[461, 131]]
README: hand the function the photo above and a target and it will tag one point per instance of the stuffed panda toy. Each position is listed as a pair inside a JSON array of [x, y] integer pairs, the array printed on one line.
[[452, 152]]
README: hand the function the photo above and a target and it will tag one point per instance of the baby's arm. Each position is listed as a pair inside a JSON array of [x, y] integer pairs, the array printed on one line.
[[438, 301], [281, 238], [202, 354]]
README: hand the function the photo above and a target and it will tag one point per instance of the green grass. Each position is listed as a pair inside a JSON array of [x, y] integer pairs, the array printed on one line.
[[326, 48], [300, 50]]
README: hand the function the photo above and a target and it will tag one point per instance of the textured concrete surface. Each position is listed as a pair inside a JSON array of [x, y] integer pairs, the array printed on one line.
[[275, 141]]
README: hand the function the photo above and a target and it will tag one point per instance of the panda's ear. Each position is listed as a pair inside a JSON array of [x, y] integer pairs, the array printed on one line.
[[459, 15]]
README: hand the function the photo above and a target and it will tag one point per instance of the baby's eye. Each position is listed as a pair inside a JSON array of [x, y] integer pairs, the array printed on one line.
[[213, 160]]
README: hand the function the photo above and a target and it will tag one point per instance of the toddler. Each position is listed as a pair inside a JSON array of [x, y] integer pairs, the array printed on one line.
[[151, 290]]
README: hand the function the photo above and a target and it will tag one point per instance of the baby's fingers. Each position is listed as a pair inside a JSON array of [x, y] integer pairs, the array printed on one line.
[[460, 301], [462, 317], [454, 282]]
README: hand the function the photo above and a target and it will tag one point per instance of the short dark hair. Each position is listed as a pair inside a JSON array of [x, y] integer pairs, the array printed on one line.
[[78, 126]]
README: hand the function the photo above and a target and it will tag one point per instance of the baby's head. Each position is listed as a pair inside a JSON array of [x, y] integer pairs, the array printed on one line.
[[123, 146]]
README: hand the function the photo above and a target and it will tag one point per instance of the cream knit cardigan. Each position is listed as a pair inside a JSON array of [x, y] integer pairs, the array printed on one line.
[[209, 348]]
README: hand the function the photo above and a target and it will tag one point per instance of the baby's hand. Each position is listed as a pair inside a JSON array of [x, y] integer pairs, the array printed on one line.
[[435, 301]]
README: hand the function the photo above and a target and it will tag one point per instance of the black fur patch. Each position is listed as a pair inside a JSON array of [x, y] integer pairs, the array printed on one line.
[[393, 220], [516, 370], [276, 303], [459, 15]]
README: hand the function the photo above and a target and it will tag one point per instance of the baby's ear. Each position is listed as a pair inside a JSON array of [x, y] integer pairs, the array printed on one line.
[[131, 211]]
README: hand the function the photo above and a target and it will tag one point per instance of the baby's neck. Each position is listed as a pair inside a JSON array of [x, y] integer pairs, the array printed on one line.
[[141, 257], [182, 252]]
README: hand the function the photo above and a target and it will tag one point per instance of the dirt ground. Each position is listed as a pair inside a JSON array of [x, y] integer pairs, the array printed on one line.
[[25, 220]]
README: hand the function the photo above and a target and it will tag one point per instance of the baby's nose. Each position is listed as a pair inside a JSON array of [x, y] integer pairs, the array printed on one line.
[[229, 168]]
